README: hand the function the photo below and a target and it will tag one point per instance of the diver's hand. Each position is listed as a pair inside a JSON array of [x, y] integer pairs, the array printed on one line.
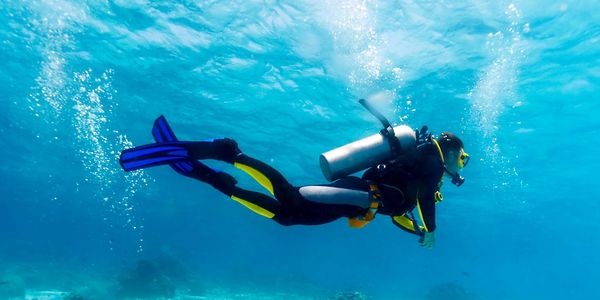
[[428, 240]]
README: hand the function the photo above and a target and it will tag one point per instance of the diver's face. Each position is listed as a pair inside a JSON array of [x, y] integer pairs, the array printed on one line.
[[451, 161]]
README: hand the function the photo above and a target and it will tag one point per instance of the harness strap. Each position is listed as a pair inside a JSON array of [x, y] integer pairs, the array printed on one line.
[[376, 198]]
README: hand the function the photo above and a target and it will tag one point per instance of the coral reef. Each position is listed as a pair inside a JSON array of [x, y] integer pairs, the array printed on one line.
[[156, 278], [145, 281]]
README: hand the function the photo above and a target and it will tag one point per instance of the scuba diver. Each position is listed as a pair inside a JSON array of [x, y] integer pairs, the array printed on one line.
[[404, 171]]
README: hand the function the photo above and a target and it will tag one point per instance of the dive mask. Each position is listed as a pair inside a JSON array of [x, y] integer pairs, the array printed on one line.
[[463, 159]]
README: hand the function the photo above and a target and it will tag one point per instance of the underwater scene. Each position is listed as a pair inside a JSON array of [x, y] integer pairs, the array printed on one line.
[[100, 200]]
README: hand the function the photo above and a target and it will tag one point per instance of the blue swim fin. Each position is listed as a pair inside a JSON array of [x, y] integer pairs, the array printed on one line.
[[180, 155], [153, 155], [223, 182], [162, 132]]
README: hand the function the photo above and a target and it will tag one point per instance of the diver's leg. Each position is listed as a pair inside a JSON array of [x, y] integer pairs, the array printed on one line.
[[225, 183], [185, 163], [269, 178], [227, 150], [309, 205], [257, 202], [320, 204], [221, 181], [312, 213], [312, 205], [348, 190], [335, 195]]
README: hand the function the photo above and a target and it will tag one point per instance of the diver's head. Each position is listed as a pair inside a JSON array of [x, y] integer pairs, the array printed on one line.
[[455, 157]]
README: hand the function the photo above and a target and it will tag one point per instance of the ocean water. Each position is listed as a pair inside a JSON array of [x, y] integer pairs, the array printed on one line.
[[80, 81]]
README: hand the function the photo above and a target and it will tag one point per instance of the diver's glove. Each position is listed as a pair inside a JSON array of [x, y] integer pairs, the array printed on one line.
[[428, 240]]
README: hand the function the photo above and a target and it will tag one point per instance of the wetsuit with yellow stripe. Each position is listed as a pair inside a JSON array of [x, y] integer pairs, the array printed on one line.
[[284, 203], [418, 176], [402, 187]]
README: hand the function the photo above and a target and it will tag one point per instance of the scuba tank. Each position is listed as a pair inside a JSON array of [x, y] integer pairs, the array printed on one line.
[[386, 145]]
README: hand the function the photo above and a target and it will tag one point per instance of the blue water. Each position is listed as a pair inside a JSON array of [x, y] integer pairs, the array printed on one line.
[[82, 80]]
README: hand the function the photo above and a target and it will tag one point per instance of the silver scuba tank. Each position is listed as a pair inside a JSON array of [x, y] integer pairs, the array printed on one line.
[[365, 153], [370, 151]]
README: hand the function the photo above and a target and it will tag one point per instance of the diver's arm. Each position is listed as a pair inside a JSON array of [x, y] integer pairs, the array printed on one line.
[[426, 207], [428, 187]]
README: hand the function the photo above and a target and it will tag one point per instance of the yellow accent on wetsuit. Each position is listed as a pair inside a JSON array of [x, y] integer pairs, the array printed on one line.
[[437, 145], [405, 222], [258, 176], [438, 195], [421, 214], [255, 208]]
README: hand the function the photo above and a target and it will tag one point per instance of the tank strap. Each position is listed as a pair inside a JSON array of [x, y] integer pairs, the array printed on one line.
[[376, 202], [387, 132]]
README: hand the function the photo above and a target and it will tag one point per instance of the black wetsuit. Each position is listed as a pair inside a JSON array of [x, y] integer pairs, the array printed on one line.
[[404, 185], [419, 177]]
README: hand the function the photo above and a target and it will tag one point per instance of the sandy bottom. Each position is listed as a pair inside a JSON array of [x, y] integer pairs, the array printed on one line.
[[217, 294]]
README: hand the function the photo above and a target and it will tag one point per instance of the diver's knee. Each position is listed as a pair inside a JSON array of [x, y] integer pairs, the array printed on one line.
[[284, 219]]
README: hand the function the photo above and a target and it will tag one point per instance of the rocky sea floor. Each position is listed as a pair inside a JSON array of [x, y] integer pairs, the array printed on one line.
[[164, 277]]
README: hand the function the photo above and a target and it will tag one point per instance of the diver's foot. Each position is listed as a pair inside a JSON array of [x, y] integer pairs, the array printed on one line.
[[226, 149]]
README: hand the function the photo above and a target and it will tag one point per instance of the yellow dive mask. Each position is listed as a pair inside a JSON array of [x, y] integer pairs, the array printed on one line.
[[463, 159]]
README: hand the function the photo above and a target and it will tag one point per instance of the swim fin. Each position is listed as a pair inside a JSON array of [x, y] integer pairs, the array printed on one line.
[[162, 132], [153, 155], [223, 182], [182, 156], [167, 151], [223, 149]]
